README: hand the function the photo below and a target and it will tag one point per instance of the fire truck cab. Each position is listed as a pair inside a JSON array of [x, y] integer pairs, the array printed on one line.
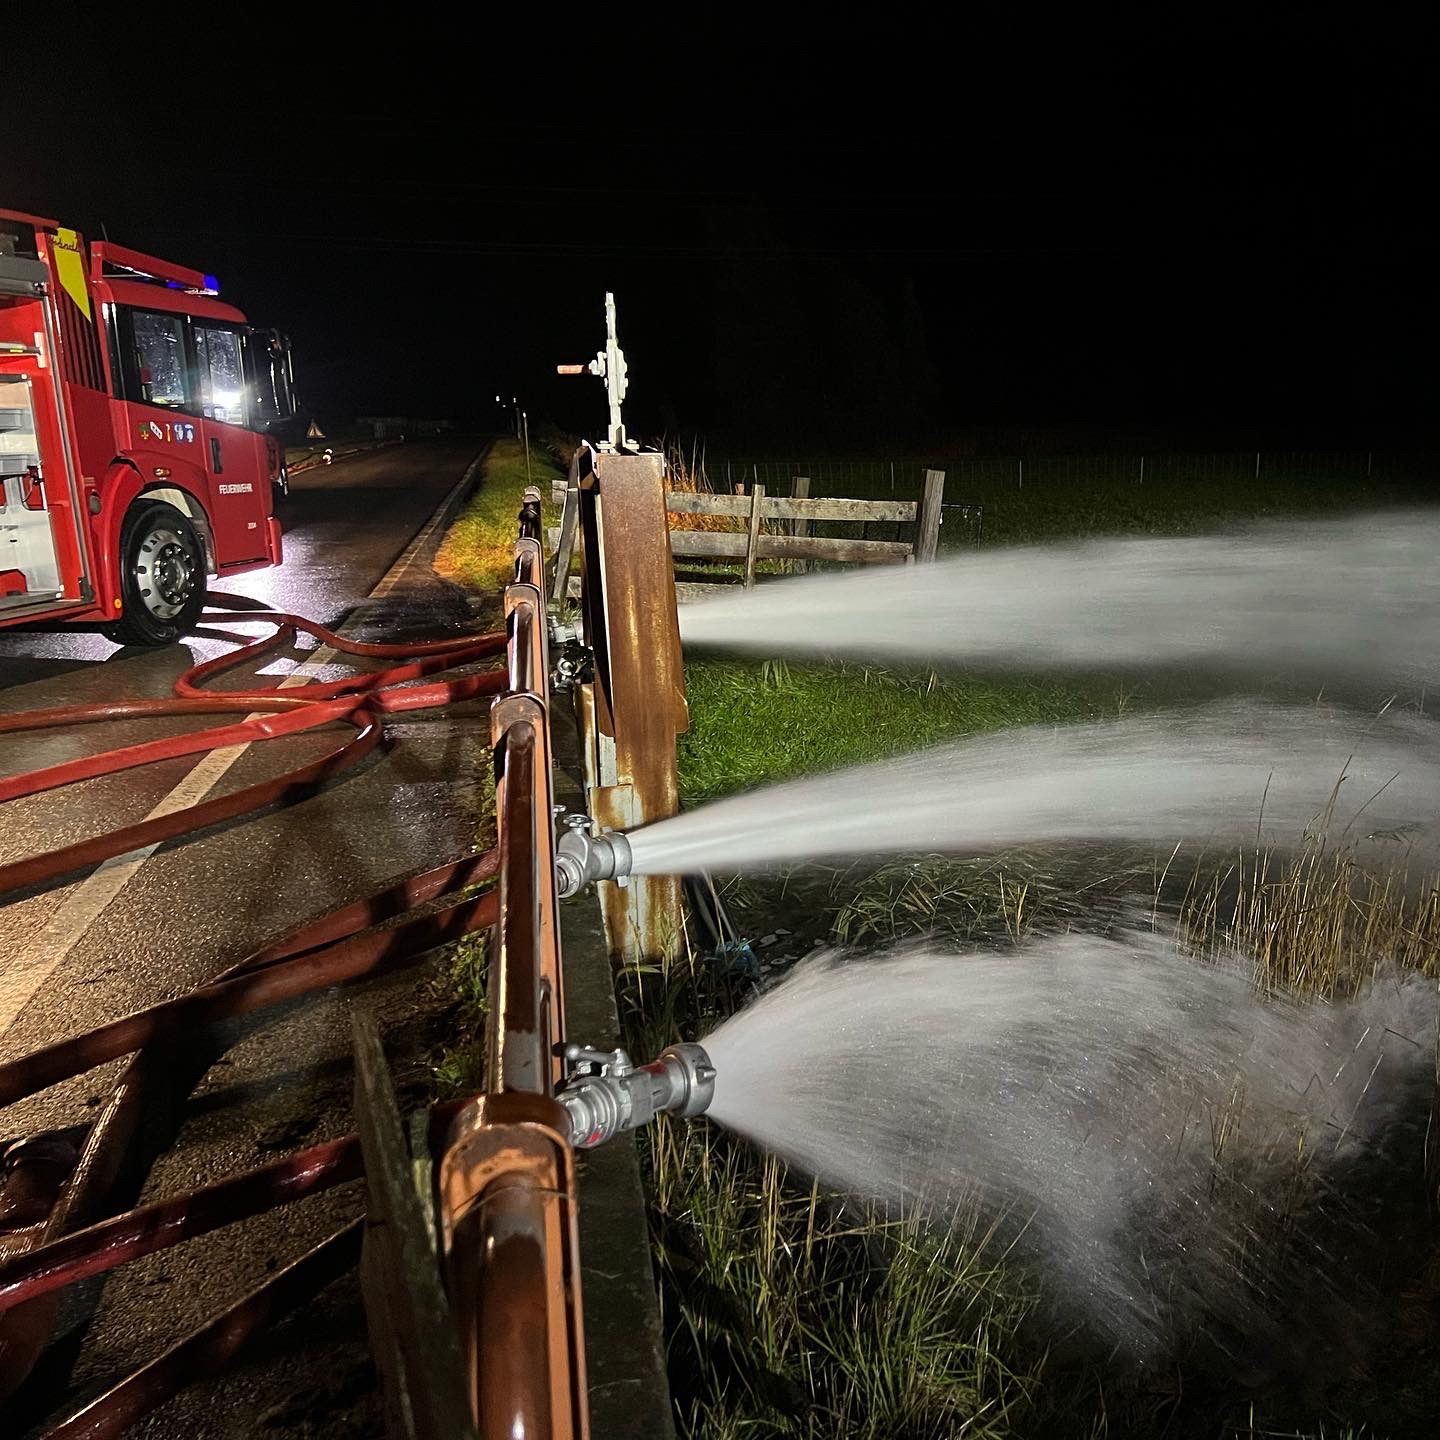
[[137, 445]]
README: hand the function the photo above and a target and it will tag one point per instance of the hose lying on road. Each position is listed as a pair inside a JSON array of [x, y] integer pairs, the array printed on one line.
[[344, 944], [356, 699]]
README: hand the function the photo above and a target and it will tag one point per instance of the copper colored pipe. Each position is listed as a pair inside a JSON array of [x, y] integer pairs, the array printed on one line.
[[519, 1051], [515, 1265], [252, 990], [210, 1348]]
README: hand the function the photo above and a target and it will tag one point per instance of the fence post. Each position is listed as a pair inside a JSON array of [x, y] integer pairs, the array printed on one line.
[[927, 517], [800, 490], [569, 526], [1257, 464], [1142, 469], [757, 497], [1021, 464]]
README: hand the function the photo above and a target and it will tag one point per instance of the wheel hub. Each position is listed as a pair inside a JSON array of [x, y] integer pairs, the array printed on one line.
[[165, 573]]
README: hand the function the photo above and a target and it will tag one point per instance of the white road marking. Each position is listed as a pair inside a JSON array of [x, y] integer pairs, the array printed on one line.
[[88, 898]]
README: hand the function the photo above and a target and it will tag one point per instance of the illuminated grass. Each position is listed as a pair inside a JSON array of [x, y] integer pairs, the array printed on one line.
[[478, 552], [755, 723], [789, 1315], [479, 549]]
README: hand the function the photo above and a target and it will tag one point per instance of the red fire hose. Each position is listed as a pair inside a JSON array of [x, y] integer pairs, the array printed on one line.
[[341, 945], [356, 699]]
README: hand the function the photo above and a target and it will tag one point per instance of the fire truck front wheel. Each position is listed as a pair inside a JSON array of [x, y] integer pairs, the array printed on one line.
[[162, 576]]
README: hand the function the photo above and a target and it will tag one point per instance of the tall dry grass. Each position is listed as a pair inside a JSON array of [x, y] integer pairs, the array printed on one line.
[[1318, 923]]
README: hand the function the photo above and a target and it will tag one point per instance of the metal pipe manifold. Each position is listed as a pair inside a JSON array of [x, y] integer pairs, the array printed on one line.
[[607, 1094]]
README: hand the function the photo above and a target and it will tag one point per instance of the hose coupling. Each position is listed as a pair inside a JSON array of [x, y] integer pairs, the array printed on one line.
[[582, 858], [572, 662], [564, 632], [605, 1093]]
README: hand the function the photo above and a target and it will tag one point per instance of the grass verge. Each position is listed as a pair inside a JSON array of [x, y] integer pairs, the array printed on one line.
[[752, 723], [478, 553]]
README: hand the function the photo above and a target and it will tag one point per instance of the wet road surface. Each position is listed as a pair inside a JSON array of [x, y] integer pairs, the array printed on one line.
[[194, 908]]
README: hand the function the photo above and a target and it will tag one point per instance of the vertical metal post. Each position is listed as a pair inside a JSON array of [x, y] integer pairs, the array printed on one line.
[[569, 526], [1257, 464], [1021, 485], [525, 423], [632, 712], [1142, 469]]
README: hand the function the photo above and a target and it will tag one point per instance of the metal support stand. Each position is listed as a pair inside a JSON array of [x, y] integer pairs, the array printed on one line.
[[631, 713]]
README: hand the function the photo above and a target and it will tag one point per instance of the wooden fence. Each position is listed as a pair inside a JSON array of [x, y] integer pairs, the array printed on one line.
[[797, 542]]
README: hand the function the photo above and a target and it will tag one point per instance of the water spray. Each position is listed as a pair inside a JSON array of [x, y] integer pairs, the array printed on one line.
[[606, 1093]]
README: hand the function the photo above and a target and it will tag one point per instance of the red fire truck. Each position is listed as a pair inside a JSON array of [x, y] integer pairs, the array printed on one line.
[[136, 446]]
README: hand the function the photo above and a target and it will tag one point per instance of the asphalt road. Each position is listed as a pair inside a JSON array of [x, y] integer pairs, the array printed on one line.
[[192, 909]]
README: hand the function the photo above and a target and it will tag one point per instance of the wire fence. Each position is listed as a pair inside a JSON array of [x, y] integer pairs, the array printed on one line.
[[904, 477]]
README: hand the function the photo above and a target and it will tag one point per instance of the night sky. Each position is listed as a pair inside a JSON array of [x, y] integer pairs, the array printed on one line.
[[1199, 227]]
